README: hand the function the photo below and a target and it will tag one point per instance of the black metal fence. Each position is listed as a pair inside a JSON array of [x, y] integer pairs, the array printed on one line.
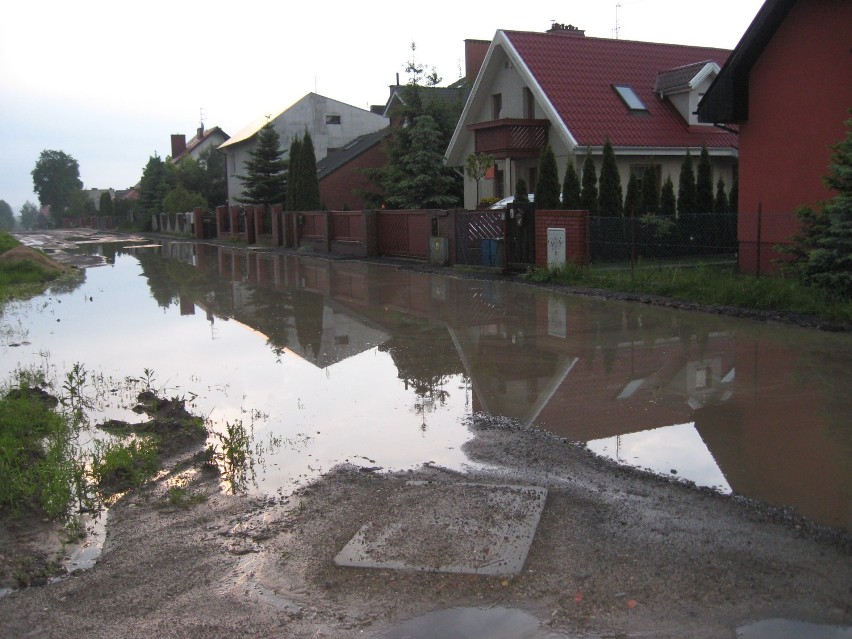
[[615, 239]]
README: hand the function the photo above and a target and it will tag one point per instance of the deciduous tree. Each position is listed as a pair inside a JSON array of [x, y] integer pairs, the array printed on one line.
[[56, 177], [7, 218], [476, 165], [29, 215]]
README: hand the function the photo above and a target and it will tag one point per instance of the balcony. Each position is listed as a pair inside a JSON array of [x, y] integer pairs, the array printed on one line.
[[510, 138]]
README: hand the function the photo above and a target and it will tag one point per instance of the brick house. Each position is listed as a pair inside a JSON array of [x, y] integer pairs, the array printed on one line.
[[783, 86], [573, 92]]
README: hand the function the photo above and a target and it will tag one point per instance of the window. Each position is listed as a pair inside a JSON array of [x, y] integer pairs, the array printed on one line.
[[500, 188], [529, 104], [628, 95], [496, 106], [332, 119]]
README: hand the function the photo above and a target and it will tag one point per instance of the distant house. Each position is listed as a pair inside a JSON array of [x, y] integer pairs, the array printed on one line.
[[342, 178], [574, 92], [788, 86], [331, 124], [204, 139]]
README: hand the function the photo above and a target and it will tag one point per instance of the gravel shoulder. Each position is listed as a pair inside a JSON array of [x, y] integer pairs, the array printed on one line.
[[617, 553]]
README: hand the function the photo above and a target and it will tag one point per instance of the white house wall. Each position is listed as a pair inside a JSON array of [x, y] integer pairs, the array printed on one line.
[[308, 114]]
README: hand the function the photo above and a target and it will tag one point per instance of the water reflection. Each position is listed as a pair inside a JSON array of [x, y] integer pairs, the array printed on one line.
[[374, 365]]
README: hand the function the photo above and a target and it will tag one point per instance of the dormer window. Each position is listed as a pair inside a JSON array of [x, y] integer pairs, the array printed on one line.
[[628, 95]]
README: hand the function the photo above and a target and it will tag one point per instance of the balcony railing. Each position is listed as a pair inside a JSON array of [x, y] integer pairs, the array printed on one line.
[[510, 137]]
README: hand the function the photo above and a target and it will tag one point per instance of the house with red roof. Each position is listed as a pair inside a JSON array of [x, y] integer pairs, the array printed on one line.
[[783, 88], [202, 140], [574, 92]]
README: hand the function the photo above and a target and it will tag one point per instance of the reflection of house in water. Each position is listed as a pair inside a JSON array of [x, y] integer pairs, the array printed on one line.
[[582, 368]]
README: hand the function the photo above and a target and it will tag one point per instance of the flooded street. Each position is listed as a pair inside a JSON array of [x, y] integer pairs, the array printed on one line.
[[330, 362], [418, 456]]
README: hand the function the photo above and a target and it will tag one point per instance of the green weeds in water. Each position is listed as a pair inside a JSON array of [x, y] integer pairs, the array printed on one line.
[[117, 467]]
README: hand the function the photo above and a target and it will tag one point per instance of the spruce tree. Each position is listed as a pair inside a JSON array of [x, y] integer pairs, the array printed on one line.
[[721, 203], [734, 195], [632, 199], [265, 181], [293, 160], [547, 189], [610, 196], [589, 194], [650, 199], [704, 183], [571, 188], [668, 204], [686, 187]]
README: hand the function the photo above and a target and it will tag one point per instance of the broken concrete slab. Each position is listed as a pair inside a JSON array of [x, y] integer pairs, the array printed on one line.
[[466, 528]]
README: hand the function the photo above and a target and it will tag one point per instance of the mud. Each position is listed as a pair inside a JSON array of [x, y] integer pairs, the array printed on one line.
[[617, 553]]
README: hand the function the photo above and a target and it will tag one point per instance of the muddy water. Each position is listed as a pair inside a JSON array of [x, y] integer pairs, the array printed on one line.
[[326, 362]]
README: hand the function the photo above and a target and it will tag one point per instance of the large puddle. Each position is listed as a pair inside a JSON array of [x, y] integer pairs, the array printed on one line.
[[325, 362]]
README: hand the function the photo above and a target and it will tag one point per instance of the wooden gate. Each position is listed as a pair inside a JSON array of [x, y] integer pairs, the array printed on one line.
[[520, 235], [479, 237], [403, 233]]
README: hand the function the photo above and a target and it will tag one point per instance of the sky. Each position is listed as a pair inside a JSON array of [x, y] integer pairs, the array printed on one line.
[[108, 82]]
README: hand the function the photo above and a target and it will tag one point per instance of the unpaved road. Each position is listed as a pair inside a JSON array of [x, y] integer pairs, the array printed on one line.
[[617, 553]]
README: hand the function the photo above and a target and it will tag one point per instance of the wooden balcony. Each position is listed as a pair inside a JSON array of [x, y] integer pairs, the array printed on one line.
[[510, 138]]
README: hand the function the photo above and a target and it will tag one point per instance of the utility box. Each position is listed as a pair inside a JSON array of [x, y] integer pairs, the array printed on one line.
[[438, 251]]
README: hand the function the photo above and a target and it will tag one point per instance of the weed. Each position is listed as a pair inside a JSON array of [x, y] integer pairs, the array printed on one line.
[[116, 466], [182, 497]]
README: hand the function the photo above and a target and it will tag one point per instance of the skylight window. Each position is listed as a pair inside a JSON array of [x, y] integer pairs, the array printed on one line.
[[630, 98]]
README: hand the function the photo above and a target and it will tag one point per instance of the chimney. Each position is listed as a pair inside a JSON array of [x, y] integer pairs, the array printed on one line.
[[178, 144], [474, 56], [200, 132], [566, 30]]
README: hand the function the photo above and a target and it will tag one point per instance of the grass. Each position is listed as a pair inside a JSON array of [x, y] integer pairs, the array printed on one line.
[[705, 284], [117, 467], [21, 279]]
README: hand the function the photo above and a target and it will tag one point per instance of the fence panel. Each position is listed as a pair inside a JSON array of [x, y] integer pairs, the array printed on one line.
[[347, 226], [403, 233], [477, 237]]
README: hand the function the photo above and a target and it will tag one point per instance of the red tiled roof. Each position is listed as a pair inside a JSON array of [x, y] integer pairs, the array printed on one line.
[[577, 74]]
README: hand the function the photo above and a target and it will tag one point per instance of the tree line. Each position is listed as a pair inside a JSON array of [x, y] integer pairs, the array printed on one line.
[[603, 195]]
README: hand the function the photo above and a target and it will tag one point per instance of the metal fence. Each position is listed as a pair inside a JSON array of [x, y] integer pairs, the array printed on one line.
[[615, 239]]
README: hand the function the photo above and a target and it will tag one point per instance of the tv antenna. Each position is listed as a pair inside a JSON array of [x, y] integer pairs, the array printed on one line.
[[201, 116], [617, 29]]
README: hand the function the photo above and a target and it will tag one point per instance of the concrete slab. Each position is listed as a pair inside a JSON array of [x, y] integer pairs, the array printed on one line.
[[476, 529]]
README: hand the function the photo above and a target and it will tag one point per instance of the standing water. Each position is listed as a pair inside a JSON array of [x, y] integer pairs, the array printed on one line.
[[330, 362]]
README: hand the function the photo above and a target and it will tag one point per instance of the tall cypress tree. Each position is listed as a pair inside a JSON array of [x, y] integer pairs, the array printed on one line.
[[308, 181], [610, 196], [521, 193], [294, 158], [668, 203], [571, 188], [632, 200], [265, 181], [686, 187], [721, 203], [650, 199], [734, 195], [704, 184], [589, 194], [547, 189]]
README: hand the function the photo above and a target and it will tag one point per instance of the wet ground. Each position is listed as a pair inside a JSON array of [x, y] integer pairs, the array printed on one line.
[[358, 378]]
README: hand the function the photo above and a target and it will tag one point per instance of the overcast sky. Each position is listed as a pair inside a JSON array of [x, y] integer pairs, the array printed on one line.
[[108, 82]]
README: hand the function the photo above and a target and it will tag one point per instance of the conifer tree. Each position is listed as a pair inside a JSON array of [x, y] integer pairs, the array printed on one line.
[[293, 160], [547, 189], [265, 181], [521, 193], [721, 203], [308, 193], [589, 194], [668, 203], [704, 183], [571, 188], [734, 195], [686, 187], [650, 199], [632, 199], [610, 196]]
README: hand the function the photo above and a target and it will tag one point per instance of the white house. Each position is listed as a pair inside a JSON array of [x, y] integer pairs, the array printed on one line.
[[331, 124], [574, 92]]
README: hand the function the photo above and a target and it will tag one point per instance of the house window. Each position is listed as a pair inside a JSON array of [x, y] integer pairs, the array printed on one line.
[[332, 119], [496, 106], [628, 95], [500, 187], [529, 104], [639, 171]]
